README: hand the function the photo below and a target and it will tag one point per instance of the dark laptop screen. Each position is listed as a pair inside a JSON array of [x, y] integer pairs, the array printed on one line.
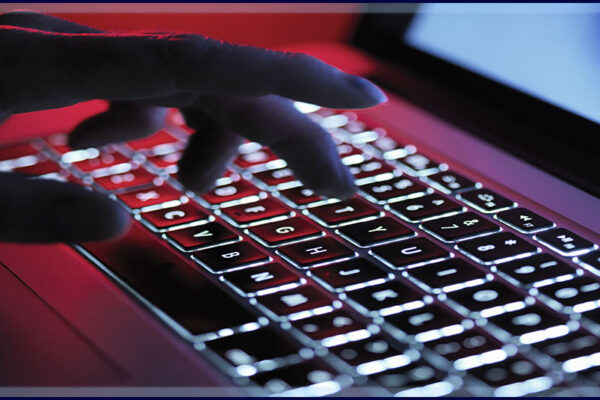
[[549, 51]]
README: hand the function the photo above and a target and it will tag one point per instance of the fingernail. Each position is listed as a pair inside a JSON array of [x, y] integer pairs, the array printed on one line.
[[367, 88], [88, 219]]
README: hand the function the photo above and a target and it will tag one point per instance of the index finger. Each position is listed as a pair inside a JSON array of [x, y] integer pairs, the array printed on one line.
[[138, 66]]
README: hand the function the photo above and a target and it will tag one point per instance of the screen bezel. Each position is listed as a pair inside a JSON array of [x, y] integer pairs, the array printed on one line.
[[538, 132]]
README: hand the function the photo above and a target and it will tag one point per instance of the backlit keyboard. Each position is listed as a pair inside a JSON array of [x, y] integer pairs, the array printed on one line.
[[425, 283]]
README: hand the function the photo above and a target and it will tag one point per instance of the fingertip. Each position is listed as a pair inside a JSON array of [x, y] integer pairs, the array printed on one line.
[[196, 183], [89, 218], [372, 95]]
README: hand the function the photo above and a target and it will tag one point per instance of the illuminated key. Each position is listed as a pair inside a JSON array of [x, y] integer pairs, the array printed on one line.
[[210, 234], [350, 274], [315, 252], [234, 191], [280, 232], [153, 196], [344, 211], [249, 213], [173, 216]]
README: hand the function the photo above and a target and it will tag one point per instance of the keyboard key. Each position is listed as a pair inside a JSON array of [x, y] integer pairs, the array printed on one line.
[[531, 324], [386, 143], [486, 200], [524, 220], [104, 164], [166, 162], [572, 345], [489, 299], [460, 226], [413, 380], [349, 275], [292, 303], [461, 348], [370, 169], [297, 379], [591, 261], [592, 373], [170, 282], [134, 178], [346, 150], [425, 207], [280, 232], [42, 168], [16, 151], [182, 214], [227, 178], [426, 323], [372, 355], [260, 156], [343, 212], [263, 279], [418, 164], [206, 235], [394, 189], [256, 348], [331, 325], [158, 143], [593, 315], [360, 134], [150, 197], [59, 143], [565, 242], [301, 196], [275, 177], [369, 233], [447, 276], [387, 298], [248, 213], [410, 253], [232, 192], [230, 257], [497, 247], [315, 252], [332, 119], [513, 370], [578, 294], [538, 270], [450, 182]]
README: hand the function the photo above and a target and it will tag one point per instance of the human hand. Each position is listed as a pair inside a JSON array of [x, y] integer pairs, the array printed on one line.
[[226, 93]]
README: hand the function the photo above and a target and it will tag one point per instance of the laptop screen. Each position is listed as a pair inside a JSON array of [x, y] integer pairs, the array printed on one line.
[[549, 51]]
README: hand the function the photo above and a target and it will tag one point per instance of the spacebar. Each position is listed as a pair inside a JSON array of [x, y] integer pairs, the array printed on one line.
[[169, 282]]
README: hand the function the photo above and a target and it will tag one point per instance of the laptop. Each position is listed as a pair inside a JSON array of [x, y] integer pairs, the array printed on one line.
[[466, 265]]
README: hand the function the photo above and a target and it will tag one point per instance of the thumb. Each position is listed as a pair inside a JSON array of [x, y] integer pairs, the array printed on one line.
[[42, 211]]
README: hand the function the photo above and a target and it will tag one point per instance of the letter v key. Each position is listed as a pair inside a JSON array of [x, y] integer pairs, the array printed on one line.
[[204, 233]]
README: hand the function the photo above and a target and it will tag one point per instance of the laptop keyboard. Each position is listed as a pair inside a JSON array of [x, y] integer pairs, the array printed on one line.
[[424, 283]]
